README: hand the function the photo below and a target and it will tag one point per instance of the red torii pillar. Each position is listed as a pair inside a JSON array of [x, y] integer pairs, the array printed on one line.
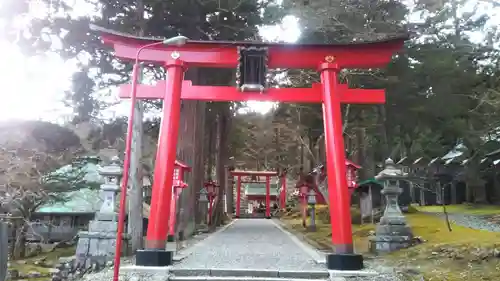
[[268, 197], [328, 59], [238, 196]]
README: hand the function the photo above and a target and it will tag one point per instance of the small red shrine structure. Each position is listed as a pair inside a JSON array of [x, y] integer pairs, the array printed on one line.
[[253, 177], [178, 185], [252, 61], [211, 187], [351, 175]]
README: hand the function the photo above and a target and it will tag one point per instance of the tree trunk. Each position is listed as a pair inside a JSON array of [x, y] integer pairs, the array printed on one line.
[[190, 150], [135, 218], [382, 122], [228, 199], [198, 167], [223, 126], [211, 139], [20, 240], [186, 153], [277, 146], [301, 155], [310, 143]]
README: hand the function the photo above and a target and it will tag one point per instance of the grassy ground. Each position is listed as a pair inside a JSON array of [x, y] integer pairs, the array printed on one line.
[[466, 209], [463, 254], [25, 266]]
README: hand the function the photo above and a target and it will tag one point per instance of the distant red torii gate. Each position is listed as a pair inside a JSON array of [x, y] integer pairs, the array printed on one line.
[[267, 174], [252, 61]]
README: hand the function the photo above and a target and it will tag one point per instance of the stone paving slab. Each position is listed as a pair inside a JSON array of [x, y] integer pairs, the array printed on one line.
[[250, 244], [318, 274]]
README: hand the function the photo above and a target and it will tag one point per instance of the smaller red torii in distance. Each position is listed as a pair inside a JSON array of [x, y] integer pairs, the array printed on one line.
[[267, 174]]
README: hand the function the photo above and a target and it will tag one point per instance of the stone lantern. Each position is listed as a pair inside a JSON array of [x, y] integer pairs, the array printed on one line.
[[109, 189], [203, 198], [97, 245], [311, 201], [203, 203], [392, 232]]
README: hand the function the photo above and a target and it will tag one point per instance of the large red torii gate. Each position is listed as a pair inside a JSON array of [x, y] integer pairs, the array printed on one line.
[[252, 60]]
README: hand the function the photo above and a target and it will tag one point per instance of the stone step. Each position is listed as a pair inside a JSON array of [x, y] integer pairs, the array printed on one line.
[[244, 278], [253, 273]]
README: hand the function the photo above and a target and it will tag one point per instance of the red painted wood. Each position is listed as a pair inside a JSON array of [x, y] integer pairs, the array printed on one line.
[[227, 93], [268, 196], [367, 55], [350, 163], [254, 173], [183, 166], [338, 193], [165, 159], [238, 196]]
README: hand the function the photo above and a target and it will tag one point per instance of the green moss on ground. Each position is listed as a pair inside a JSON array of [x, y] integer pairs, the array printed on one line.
[[463, 254], [25, 266]]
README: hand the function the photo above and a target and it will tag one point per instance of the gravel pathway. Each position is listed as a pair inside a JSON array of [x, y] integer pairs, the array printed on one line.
[[470, 221], [250, 244]]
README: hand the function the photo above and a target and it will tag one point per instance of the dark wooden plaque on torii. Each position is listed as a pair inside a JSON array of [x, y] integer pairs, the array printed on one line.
[[252, 60]]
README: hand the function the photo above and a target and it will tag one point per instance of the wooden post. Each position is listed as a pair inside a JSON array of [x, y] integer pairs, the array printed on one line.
[[412, 192], [134, 225], [4, 250], [453, 190], [370, 196], [422, 195], [361, 207]]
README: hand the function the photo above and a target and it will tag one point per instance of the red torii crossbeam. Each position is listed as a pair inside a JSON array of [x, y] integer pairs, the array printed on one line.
[[329, 60], [226, 93]]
